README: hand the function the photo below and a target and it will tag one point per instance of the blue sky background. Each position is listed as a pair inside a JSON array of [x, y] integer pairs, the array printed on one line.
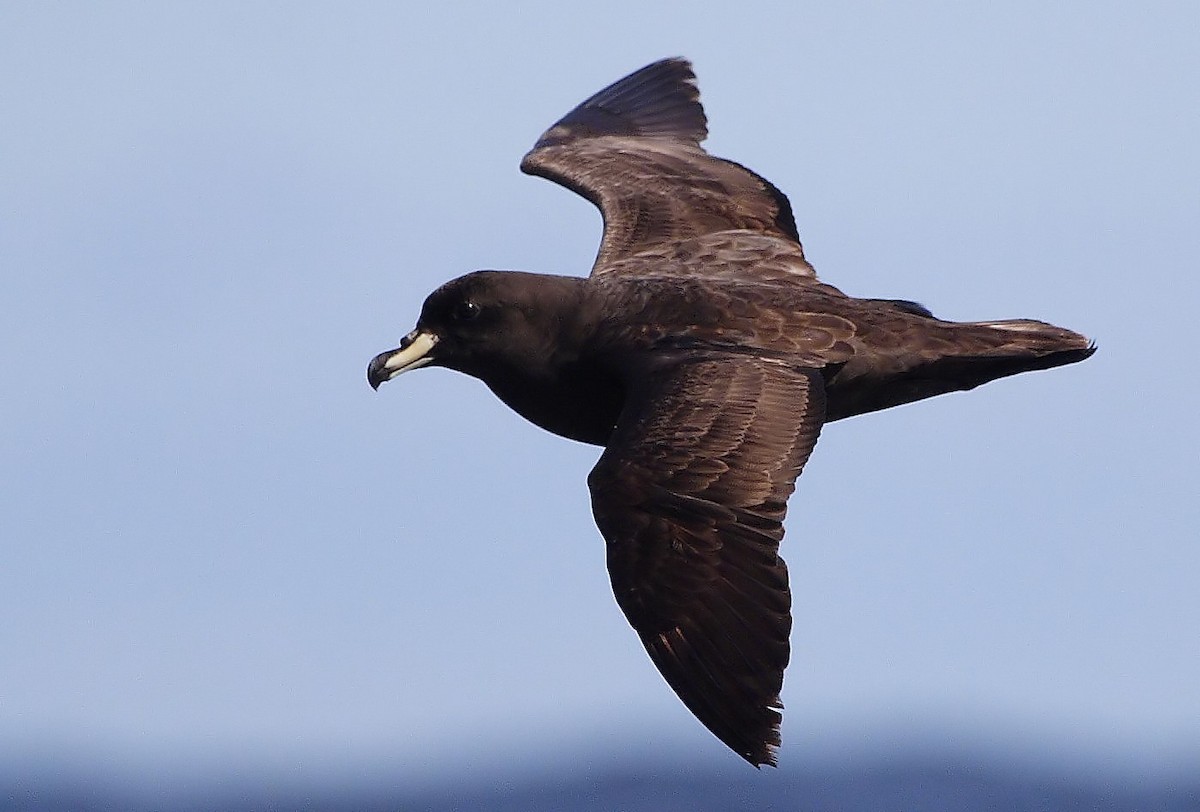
[[217, 544]]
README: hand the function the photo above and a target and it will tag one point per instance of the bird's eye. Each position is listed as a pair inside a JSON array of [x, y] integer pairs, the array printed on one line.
[[465, 310]]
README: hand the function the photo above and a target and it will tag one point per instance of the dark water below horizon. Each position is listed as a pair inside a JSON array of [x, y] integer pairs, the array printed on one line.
[[925, 783]]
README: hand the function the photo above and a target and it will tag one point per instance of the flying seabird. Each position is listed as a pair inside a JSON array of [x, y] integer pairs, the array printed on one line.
[[704, 355]]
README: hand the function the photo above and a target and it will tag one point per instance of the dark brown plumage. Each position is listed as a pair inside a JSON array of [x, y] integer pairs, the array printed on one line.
[[704, 355]]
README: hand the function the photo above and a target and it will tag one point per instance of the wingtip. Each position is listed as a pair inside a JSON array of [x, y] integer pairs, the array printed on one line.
[[766, 758], [659, 100]]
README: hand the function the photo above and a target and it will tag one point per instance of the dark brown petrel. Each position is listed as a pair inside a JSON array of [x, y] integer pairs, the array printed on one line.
[[704, 355]]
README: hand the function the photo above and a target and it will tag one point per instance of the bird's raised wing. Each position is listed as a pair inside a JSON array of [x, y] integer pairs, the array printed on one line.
[[633, 149], [690, 496]]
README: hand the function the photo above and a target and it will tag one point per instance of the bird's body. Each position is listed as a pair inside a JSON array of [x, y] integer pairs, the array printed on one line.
[[704, 355], [569, 371]]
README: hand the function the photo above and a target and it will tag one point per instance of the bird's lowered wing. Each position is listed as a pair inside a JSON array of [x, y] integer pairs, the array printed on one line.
[[690, 496], [633, 149]]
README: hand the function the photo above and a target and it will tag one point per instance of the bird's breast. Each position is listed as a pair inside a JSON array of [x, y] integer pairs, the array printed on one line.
[[581, 402]]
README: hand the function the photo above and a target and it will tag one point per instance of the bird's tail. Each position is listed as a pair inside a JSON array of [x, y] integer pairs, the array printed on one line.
[[997, 349], [963, 357], [1024, 345]]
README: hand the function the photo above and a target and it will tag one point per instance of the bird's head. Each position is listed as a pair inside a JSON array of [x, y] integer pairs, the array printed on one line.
[[485, 321]]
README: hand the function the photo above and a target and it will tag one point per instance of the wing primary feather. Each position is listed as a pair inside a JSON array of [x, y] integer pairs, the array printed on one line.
[[659, 101]]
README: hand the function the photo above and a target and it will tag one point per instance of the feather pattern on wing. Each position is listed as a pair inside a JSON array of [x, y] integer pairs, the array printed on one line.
[[633, 149], [690, 496]]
